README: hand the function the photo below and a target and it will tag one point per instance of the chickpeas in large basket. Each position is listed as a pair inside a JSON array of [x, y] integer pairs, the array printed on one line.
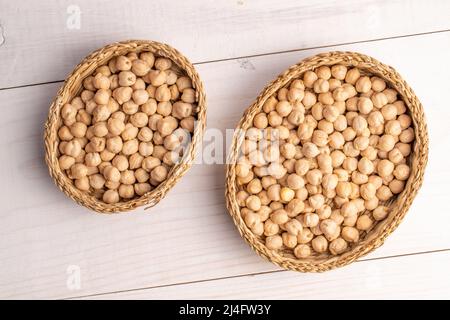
[[326, 161]]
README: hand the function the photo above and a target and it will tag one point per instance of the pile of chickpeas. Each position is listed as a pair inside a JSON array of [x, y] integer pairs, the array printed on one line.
[[126, 129], [321, 161]]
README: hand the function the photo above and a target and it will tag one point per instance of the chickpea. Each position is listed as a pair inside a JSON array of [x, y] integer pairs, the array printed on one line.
[[270, 228], [78, 171], [340, 124], [321, 86], [337, 158], [310, 220], [405, 121], [159, 173], [92, 159], [385, 168], [330, 113], [349, 209], [320, 138], [111, 196], [183, 83], [309, 78], [65, 162], [310, 150], [127, 177], [352, 76], [314, 177], [349, 220], [365, 166], [348, 134], [274, 242], [279, 217], [393, 128], [302, 251], [342, 174], [289, 240], [338, 246], [364, 223], [330, 229], [368, 204], [157, 77], [113, 185], [286, 194], [64, 134], [122, 94], [96, 181], [363, 84], [407, 135], [72, 148], [309, 99], [343, 189], [380, 213], [350, 164], [107, 155], [295, 181], [304, 236], [339, 71], [397, 186], [293, 95], [68, 111], [319, 244], [111, 173], [401, 172], [84, 117], [359, 178], [386, 143], [126, 191], [142, 188], [188, 95], [181, 110], [325, 163], [359, 124], [404, 148], [368, 191], [287, 150], [140, 67], [384, 193]]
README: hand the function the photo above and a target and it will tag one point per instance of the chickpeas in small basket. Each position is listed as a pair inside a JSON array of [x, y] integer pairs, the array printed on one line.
[[326, 162], [124, 127]]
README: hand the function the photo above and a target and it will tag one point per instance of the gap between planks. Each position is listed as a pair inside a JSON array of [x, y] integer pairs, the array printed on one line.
[[266, 54], [243, 275]]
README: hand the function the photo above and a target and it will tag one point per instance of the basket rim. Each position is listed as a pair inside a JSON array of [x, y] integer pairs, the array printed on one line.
[[402, 202], [85, 68]]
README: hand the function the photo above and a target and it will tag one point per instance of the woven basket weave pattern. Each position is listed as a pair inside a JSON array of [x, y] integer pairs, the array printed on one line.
[[399, 205], [72, 87]]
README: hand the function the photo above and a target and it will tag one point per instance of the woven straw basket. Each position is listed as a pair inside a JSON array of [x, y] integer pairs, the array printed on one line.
[[72, 87], [399, 205]]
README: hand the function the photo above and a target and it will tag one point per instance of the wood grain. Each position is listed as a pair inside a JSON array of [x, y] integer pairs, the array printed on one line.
[[408, 277], [40, 44], [189, 235]]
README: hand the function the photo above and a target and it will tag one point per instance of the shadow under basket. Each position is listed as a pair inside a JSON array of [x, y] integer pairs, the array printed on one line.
[[398, 205], [73, 85]]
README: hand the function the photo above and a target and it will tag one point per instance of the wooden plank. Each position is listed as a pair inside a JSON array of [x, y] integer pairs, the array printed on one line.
[[42, 42], [407, 277], [189, 235]]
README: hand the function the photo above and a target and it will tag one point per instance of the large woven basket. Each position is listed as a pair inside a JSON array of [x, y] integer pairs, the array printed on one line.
[[399, 205], [72, 87]]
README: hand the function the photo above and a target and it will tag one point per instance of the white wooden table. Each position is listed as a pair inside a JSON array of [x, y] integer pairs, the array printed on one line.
[[187, 246]]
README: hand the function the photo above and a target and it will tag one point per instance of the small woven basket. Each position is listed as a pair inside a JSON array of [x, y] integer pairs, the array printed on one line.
[[73, 86], [399, 205]]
